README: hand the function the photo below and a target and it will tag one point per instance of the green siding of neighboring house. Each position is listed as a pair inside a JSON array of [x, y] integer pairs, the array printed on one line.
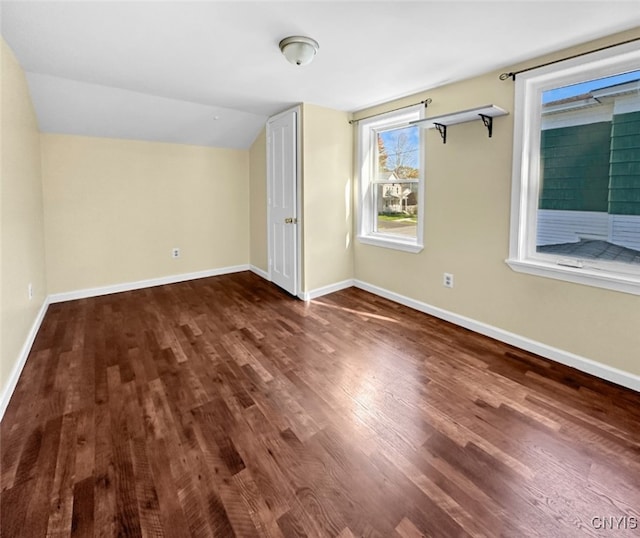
[[624, 187], [575, 167]]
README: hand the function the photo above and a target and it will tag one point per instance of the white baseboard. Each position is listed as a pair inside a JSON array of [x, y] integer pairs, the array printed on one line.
[[260, 272], [309, 295], [325, 290], [603, 371], [10, 385], [140, 284]]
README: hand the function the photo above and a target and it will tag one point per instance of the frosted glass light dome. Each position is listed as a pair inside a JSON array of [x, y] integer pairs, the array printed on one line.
[[299, 50]]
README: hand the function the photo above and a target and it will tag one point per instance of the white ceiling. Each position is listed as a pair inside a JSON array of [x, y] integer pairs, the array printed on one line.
[[166, 70]]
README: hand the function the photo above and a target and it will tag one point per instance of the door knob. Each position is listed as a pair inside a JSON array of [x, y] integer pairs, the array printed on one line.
[[290, 220]]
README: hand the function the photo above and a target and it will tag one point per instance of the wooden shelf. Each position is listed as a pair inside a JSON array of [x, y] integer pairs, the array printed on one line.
[[485, 113]]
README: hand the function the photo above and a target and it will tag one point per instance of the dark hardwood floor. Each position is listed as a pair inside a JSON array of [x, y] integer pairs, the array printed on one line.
[[222, 407]]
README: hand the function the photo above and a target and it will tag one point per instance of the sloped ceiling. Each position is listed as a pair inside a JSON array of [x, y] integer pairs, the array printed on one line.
[[210, 73]]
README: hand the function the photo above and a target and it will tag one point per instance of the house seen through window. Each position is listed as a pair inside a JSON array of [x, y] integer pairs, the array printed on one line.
[[576, 170], [391, 180], [589, 195], [397, 178]]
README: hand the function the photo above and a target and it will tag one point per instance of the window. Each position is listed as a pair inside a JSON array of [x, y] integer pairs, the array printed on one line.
[[576, 171], [391, 180]]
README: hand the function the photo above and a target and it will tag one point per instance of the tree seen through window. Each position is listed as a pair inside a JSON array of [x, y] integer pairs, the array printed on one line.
[[397, 179]]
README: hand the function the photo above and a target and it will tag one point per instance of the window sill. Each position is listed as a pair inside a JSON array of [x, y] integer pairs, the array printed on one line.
[[625, 283], [387, 242]]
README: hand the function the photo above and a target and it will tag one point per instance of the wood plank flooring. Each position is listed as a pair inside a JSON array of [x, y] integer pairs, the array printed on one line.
[[223, 407]]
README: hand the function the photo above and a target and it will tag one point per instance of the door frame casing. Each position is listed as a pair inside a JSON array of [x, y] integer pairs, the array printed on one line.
[[299, 216]]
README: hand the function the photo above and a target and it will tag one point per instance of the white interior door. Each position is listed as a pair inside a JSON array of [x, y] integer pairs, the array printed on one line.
[[282, 179]]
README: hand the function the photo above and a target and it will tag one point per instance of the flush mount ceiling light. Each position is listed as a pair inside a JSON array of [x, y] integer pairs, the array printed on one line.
[[299, 50]]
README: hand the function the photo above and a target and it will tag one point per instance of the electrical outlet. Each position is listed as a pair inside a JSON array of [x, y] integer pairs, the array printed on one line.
[[175, 253], [447, 280], [30, 291]]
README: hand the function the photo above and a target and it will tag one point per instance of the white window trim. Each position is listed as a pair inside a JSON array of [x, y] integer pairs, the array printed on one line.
[[526, 170], [366, 233]]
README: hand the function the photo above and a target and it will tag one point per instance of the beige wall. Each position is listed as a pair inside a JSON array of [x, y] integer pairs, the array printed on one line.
[[258, 255], [114, 209], [326, 192], [468, 190], [22, 239]]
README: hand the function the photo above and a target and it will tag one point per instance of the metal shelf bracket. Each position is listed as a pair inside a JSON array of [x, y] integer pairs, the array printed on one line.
[[442, 129], [488, 123]]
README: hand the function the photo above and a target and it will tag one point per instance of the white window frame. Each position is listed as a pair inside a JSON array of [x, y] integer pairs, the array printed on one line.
[[526, 171], [367, 141]]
